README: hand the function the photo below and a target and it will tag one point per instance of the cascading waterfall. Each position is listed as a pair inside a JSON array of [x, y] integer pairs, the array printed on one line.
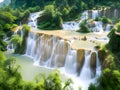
[[33, 19], [70, 25], [98, 27], [51, 51]]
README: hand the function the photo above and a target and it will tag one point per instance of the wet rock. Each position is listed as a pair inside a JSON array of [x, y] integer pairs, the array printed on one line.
[[93, 63], [101, 55], [80, 60]]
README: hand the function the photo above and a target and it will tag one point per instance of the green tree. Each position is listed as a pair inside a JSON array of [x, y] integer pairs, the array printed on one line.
[[83, 28], [16, 40], [114, 42]]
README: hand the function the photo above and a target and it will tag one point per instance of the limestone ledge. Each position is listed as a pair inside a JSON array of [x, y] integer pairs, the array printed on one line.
[[74, 39]]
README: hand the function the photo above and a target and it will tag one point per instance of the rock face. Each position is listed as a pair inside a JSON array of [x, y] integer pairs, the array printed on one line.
[[80, 60], [93, 63], [101, 55], [110, 13]]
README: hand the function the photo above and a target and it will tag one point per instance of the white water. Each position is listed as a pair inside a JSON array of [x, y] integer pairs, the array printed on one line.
[[70, 25], [84, 15], [52, 52], [86, 73], [33, 19], [95, 13], [47, 52], [71, 61], [98, 27], [74, 25]]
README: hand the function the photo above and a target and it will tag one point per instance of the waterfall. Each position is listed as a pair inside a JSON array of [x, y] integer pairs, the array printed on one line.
[[74, 25], [84, 15], [98, 27], [70, 25], [71, 61], [95, 13], [51, 51], [98, 66], [108, 27], [33, 19], [86, 73]]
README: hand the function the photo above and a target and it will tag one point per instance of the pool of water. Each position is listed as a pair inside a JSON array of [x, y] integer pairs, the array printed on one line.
[[28, 69]]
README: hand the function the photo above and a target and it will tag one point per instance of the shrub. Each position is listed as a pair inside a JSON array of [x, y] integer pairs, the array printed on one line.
[[83, 28]]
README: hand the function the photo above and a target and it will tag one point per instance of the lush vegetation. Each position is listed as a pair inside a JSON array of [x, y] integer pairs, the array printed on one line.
[[11, 79], [83, 28], [57, 11], [50, 19]]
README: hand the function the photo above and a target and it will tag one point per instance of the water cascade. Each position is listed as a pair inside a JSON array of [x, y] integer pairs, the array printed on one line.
[[33, 19], [70, 25], [52, 51], [98, 27], [95, 13], [85, 73], [74, 25]]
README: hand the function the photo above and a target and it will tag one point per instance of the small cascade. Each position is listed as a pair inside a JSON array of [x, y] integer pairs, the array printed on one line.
[[70, 25], [95, 13], [84, 15], [33, 19], [98, 27], [74, 25], [10, 46], [108, 27]]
